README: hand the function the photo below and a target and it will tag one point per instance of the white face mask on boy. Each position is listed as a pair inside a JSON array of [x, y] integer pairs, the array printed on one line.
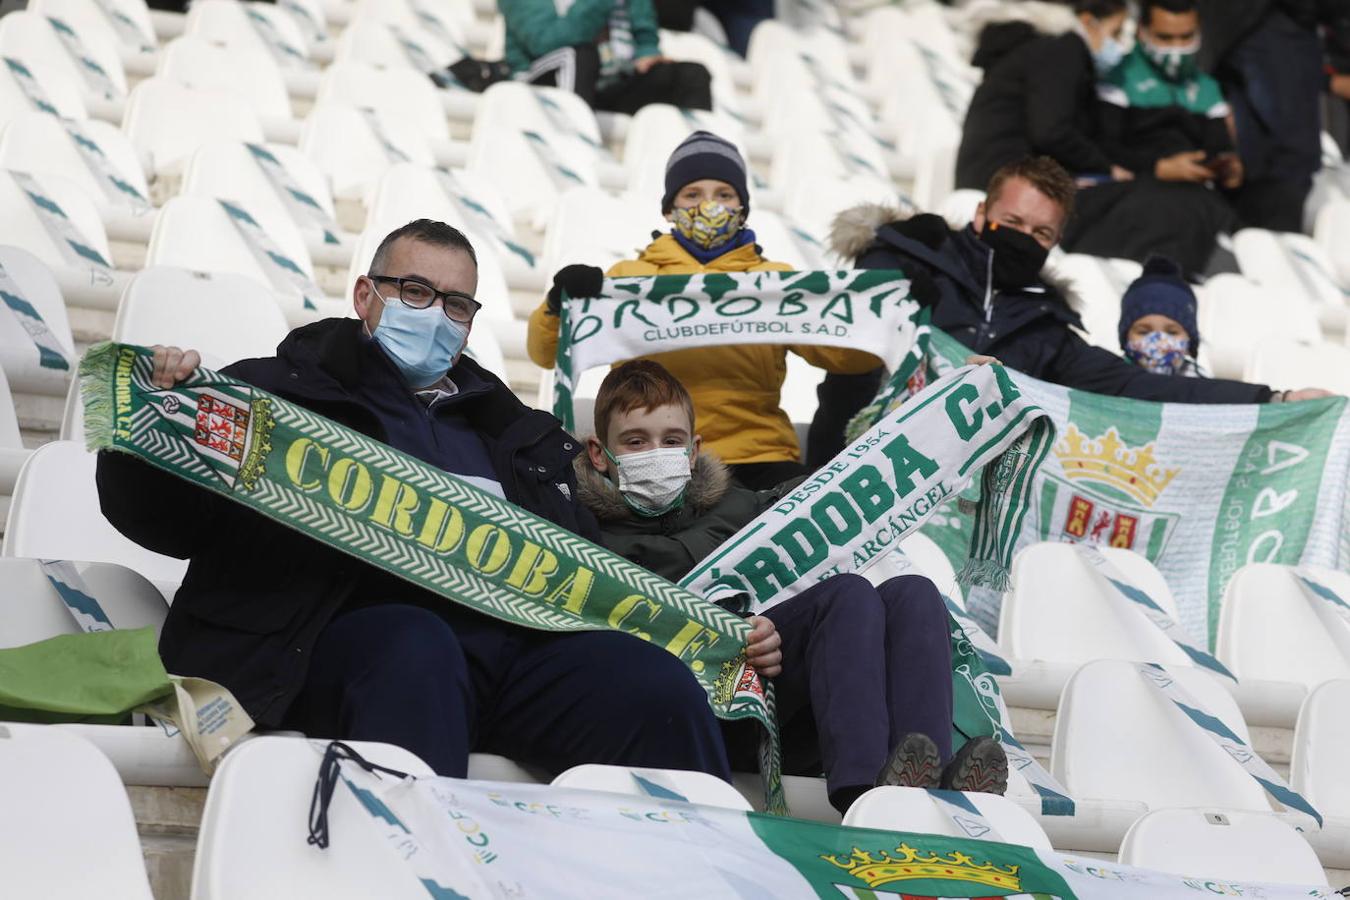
[[653, 482]]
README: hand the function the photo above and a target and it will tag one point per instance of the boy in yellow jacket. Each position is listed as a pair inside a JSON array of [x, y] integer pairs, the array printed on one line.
[[735, 388]]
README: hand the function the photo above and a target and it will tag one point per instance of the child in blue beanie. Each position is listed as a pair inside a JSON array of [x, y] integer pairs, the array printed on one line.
[[1158, 330]]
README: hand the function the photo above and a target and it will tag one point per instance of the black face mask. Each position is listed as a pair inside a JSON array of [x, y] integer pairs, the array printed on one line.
[[1018, 258]]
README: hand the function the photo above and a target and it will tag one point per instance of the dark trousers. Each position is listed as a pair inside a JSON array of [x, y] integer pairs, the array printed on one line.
[[838, 399], [577, 69], [862, 667], [739, 18], [766, 475], [440, 685]]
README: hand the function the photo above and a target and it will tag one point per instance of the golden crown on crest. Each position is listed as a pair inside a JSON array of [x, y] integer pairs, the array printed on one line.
[[907, 864], [1109, 461]]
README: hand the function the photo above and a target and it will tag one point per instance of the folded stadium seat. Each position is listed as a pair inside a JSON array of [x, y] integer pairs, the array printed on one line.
[[932, 28], [812, 198], [53, 87], [37, 142], [378, 36], [1058, 615], [1100, 284], [583, 397], [200, 64], [32, 39], [408, 192], [1317, 767], [353, 148], [37, 351], [405, 95], [722, 64], [54, 514], [1235, 319], [1271, 630], [229, 170], [168, 122], [1294, 264], [653, 134], [125, 23], [68, 825], [255, 28], [660, 784], [533, 144], [33, 611], [1121, 746], [935, 165], [1333, 233], [785, 242], [71, 241], [12, 452], [224, 316], [959, 207], [252, 841], [1286, 364], [916, 810], [1232, 845], [312, 20], [593, 227]]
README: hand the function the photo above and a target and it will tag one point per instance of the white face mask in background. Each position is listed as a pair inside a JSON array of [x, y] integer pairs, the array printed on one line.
[[652, 482]]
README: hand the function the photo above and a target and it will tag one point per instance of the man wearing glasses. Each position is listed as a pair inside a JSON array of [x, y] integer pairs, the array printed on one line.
[[308, 638]]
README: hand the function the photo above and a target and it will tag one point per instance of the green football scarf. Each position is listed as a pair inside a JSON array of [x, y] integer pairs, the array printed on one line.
[[396, 513]]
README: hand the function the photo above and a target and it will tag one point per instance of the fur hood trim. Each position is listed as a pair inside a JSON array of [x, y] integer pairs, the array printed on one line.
[[709, 483]]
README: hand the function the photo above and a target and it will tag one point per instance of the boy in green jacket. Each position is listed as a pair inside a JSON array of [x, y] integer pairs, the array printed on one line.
[[605, 51]]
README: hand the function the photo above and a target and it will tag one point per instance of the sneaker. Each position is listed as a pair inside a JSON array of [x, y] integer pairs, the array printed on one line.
[[913, 763], [980, 767]]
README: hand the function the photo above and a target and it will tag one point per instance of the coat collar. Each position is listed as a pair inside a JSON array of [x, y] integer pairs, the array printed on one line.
[[665, 252], [708, 484]]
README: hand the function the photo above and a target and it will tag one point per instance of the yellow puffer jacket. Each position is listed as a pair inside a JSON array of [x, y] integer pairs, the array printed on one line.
[[735, 388]]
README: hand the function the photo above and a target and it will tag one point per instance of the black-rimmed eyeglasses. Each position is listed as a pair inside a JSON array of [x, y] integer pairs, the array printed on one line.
[[456, 305]]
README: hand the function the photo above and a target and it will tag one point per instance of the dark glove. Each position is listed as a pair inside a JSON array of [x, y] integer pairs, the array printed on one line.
[[928, 229], [575, 281], [923, 288]]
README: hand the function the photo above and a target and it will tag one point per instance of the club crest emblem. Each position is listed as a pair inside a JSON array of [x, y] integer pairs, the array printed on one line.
[[222, 426]]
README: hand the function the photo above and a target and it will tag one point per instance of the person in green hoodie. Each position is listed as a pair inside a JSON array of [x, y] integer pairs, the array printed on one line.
[[605, 51]]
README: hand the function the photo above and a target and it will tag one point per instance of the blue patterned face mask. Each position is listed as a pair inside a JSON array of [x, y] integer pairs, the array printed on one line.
[[708, 225], [1159, 352]]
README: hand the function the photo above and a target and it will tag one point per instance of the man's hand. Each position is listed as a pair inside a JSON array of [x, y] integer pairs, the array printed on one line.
[[981, 360], [172, 365], [762, 647], [1188, 166], [575, 281], [1305, 394], [1340, 86], [1229, 171], [645, 64], [1120, 173]]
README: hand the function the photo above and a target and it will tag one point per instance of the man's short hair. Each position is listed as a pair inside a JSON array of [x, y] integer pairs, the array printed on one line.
[[1172, 6], [428, 231], [638, 384], [1044, 174], [1098, 9]]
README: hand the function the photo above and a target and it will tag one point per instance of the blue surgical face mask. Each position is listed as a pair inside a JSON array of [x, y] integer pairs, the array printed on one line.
[[1109, 55], [423, 343]]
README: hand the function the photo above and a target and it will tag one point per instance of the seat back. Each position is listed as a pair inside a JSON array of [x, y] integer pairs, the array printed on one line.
[[30, 370], [339, 140], [230, 24], [54, 514], [252, 74], [167, 122], [1233, 845], [654, 133], [35, 142], [21, 226], [68, 825], [90, 20], [667, 784], [1118, 738], [225, 317], [592, 226], [376, 36], [1332, 232], [10, 438], [1235, 319], [1269, 629], [399, 94], [1317, 767], [252, 842], [30, 39], [1058, 610], [1293, 364], [916, 810], [32, 610]]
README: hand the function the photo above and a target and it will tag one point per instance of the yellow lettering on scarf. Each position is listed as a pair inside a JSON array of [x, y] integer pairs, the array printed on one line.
[[692, 639], [395, 505], [532, 570], [349, 485], [574, 590], [618, 616], [443, 528], [488, 549], [126, 362], [297, 456]]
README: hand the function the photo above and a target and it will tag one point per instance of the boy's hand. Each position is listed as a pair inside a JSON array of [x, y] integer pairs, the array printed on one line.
[[762, 647]]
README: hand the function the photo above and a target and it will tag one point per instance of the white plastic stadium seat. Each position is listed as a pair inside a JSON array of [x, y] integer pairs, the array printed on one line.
[[340, 141], [1058, 616], [35, 142], [54, 514], [1235, 319], [1294, 263], [90, 18], [229, 23], [915, 810], [1099, 285], [1317, 767], [30, 39], [1285, 364], [402, 95], [252, 74], [168, 122], [1333, 233], [1269, 629], [67, 822], [667, 784], [21, 226], [63, 95], [225, 317], [371, 38], [1232, 845], [12, 452], [31, 610], [20, 358], [654, 132], [1118, 738], [252, 842], [591, 226]]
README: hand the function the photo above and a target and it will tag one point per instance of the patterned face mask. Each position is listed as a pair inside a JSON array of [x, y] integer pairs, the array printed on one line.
[[1176, 63], [1160, 353], [708, 225]]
